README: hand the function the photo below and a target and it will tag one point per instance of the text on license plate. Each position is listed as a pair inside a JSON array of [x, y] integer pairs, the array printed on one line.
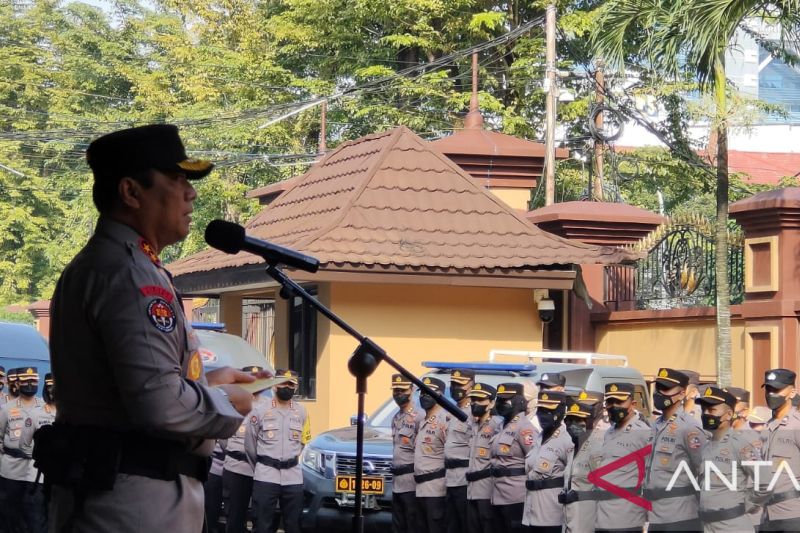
[[369, 485]]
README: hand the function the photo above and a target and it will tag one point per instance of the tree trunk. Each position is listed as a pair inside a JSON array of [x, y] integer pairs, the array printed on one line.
[[721, 233]]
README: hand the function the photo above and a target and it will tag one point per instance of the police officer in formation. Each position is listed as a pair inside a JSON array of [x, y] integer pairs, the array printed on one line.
[[274, 439], [676, 437], [480, 518], [429, 465], [405, 426], [545, 465], [237, 472], [456, 451], [509, 449], [13, 389], [723, 509], [742, 409], [3, 395], [781, 446], [692, 393], [628, 433], [584, 413], [212, 488]]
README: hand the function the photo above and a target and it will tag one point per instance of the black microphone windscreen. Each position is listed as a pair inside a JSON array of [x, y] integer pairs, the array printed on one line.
[[225, 236]]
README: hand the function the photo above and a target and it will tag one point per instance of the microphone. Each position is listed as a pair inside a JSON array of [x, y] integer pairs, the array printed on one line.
[[231, 239]]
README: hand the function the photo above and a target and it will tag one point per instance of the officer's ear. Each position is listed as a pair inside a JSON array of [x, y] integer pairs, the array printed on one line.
[[129, 191]]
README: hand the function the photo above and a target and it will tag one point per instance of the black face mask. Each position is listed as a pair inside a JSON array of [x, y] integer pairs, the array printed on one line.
[[617, 414], [795, 400], [775, 400], [504, 408], [662, 401], [284, 394], [49, 394], [478, 410], [426, 401], [576, 430], [401, 398], [13, 388], [458, 393], [2, 385], [711, 422], [548, 420], [28, 390]]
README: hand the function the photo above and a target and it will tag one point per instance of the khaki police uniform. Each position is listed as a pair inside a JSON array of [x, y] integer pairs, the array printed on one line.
[[509, 448], [405, 426], [781, 445], [456, 453], [723, 509], [545, 465], [126, 361], [580, 510], [274, 440], [614, 512], [480, 518], [429, 466], [675, 440]]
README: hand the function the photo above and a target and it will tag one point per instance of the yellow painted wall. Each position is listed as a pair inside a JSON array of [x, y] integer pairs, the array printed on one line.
[[414, 324], [675, 344], [515, 198]]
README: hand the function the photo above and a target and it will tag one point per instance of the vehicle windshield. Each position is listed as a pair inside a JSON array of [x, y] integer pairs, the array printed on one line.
[[383, 415]]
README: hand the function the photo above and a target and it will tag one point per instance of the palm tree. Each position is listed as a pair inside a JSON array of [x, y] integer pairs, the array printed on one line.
[[678, 36]]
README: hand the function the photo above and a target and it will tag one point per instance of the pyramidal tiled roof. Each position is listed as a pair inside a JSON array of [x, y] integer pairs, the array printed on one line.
[[392, 199]]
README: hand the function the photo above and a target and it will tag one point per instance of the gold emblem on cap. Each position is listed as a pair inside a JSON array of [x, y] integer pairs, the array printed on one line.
[[501, 388], [707, 392], [478, 386], [663, 373], [456, 374], [574, 407], [613, 388], [427, 381], [545, 397], [583, 395], [398, 379], [29, 371], [287, 374]]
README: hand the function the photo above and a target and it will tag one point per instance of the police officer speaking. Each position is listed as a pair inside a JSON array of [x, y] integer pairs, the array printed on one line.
[[429, 466], [479, 476], [545, 465], [405, 426], [135, 409], [723, 509], [275, 437], [509, 449], [677, 438]]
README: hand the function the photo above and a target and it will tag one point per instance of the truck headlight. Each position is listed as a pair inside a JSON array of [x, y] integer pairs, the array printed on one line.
[[315, 459]]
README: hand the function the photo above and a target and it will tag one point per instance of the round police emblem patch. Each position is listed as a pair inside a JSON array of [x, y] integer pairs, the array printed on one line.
[[161, 315], [28, 422]]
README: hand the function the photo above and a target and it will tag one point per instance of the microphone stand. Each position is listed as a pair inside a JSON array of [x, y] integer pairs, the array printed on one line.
[[362, 364]]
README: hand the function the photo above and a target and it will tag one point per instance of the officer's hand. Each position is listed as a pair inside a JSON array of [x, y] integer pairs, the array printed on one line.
[[228, 375], [241, 400]]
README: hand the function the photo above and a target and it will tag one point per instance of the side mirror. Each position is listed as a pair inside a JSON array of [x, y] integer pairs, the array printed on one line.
[[354, 419]]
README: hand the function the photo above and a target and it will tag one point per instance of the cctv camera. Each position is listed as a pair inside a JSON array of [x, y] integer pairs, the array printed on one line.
[[547, 310]]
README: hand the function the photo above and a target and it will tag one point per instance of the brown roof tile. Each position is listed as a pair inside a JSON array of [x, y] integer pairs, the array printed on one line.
[[393, 199]]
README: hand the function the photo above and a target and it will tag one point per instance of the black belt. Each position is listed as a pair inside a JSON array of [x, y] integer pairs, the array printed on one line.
[[586, 495], [220, 456], [479, 474], [275, 463], [603, 495], [240, 456], [400, 470], [172, 462], [783, 496], [430, 476], [456, 463], [662, 494], [16, 452], [723, 514], [541, 484], [504, 471]]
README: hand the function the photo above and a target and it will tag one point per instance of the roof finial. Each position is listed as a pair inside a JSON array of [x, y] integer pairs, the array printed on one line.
[[474, 119]]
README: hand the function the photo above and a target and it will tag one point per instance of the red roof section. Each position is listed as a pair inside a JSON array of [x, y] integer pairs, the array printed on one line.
[[764, 167], [392, 199]]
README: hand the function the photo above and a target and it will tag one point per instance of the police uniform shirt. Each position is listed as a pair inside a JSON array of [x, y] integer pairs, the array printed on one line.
[[580, 516], [45, 415], [278, 432], [405, 426], [17, 425], [457, 445], [429, 454], [218, 458], [727, 455], [235, 459], [547, 460], [781, 444], [675, 440], [615, 512], [118, 326], [509, 448], [480, 456]]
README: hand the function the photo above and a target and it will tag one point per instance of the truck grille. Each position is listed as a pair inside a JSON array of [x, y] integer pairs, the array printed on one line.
[[373, 466]]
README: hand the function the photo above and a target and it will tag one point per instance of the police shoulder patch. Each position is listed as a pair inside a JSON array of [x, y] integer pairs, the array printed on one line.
[[161, 315]]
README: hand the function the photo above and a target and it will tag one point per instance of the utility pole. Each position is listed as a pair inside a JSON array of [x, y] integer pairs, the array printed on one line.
[[323, 128], [599, 99], [550, 108]]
